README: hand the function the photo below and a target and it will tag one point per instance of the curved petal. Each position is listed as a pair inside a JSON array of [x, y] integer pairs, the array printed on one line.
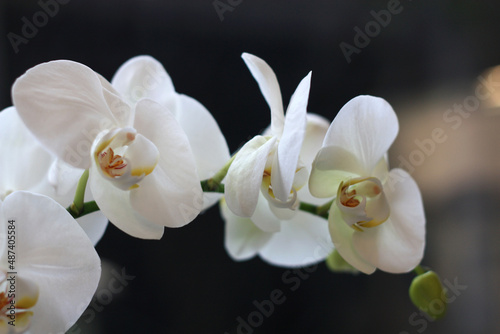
[[302, 241], [123, 115], [209, 199], [94, 225], [62, 179], [171, 195], [143, 77], [55, 253], [17, 152], [290, 143], [331, 166], [63, 104], [366, 126], [244, 177], [264, 218], [316, 128], [51, 177], [396, 246], [205, 137], [242, 238], [116, 206], [342, 237], [268, 84], [61, 186]]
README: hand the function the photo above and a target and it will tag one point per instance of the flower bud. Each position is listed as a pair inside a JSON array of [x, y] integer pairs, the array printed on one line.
[[427, 293], [336, 263]]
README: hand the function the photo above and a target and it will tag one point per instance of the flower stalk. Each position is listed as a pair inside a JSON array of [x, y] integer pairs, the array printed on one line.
[[78, 202], [321, 210], [214, 184]]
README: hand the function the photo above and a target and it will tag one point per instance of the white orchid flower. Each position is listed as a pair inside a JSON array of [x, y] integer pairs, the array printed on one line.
[[270, 164], [377, 219], [303, 238], [145, 77], [49, 269], [142, 171], [49, 176]]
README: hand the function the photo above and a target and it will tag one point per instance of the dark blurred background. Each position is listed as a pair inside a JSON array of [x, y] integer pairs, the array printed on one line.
[[425, 60]]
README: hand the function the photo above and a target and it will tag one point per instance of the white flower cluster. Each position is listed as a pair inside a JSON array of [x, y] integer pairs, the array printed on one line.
[[156, 158]]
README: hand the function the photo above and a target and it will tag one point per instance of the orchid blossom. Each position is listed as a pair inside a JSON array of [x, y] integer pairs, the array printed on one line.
[[145, 77], [270, 164], [377, 219], [303, 238], [50, 177], [49, 269], [142, 171]]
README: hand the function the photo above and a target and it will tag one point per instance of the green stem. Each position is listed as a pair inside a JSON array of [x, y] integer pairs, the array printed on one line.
[[87, 207], [321, 210], [78, 202], [214, 184], [419, 270]]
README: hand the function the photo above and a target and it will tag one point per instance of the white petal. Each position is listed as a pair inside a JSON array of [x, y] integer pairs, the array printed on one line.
[[63, 179], [171, 195], [63, 104], [331, 166], [290, 143], [55, 253], [316, 128], [209, 199], [143, 77], [19, 152], [264, 218], [244, 177], [116, 206], [396, 246], [366, 126], [94, 225], [62, 189], [268, 84], [205, 137], [242, 239], [51, 177], [342, 237], [302, 241], [123, 115]]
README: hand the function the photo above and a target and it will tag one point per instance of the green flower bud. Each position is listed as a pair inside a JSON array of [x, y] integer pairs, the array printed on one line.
[[336, 263], [427, 293]]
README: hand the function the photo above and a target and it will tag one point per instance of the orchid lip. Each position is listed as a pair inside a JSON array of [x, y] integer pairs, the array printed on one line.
[[125, 157], [267, 191], [362, 203]]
